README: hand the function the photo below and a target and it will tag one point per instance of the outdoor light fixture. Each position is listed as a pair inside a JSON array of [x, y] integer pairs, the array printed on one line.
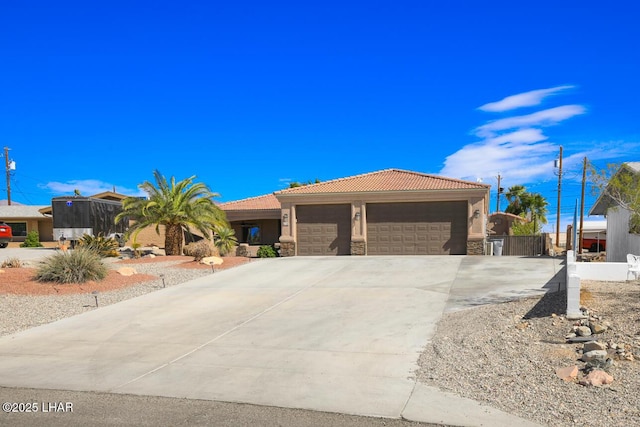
[[95, 295], [357, 216], [285, 219], [476, 213]]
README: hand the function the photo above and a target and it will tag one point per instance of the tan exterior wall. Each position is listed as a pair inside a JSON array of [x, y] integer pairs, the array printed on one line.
[[149, 237], [477, 202], [45, 230]]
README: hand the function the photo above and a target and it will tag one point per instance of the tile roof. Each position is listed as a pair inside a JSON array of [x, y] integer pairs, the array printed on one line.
[[385, 180], [20, 211], [259, 203]]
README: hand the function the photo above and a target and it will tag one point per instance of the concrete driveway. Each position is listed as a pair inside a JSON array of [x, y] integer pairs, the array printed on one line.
[[340, 334]]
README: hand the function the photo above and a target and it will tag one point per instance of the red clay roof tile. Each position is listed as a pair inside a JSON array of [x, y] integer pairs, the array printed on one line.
[[385, 180], [266, 202]]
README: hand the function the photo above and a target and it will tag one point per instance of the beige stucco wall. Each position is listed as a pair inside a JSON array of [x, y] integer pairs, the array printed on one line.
[[476, 200]]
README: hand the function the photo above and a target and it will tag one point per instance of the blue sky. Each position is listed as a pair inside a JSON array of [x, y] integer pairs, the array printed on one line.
[[250, 95]]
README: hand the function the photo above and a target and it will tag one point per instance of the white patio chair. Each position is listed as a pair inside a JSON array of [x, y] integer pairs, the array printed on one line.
[[633, 264]]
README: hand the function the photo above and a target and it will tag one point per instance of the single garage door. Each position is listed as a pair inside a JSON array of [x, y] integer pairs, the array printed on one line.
[[426, 228], [324, 229]]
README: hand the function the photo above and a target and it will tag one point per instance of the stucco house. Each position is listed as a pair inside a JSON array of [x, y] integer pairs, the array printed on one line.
[[388, 212], [26, 218], [620, 241]]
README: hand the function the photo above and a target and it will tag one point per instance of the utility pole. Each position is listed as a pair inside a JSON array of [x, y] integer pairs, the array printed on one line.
[[584, 181], [559, 194], [6, 163], [498, 195]]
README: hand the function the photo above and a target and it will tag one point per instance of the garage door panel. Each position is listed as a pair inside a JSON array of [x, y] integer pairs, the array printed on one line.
[[433, 228], [323, 229]]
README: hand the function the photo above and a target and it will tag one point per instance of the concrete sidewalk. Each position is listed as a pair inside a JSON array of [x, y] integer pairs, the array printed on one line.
[[329, 334]]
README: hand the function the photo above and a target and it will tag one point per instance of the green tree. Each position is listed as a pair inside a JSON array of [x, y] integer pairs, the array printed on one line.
[[516, 196], [618, 186], [296, 184], [523, 228], [537, 206], [527, 205], [177, 206], [224, 239]]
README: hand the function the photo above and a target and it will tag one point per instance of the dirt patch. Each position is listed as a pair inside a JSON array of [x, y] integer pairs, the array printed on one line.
[[21, 281]]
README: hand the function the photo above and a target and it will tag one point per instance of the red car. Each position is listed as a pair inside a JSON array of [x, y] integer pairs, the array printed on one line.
[[5, 235]]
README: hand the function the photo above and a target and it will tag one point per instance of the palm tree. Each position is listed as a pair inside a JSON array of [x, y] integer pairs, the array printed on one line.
[[177, 206], [224, 239], [537, 206], [516, 195]]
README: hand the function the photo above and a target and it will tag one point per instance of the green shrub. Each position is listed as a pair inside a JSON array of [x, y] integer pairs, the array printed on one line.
[[104, 246], [32, 240], [77, 266], [11, 263], [266, 252]]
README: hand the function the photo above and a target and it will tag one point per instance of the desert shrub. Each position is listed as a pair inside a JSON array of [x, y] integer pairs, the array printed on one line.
[[77, 266], [104, 246], [266, 252], [11, 263], [200, 249], [32, 240]]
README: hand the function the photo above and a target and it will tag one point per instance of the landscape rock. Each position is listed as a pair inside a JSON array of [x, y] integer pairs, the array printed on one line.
[[596, 328], [583, 331], [127, 271], [594, 355], [593, 345], [568, 373], [211, 260], [597, 378]]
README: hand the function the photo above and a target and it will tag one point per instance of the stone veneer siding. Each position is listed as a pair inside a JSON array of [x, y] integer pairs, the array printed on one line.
[[475, 247], [358, 248], [287, 249]]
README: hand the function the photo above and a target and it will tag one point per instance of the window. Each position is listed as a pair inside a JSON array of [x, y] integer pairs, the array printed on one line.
[[251, 234], [18, 229]]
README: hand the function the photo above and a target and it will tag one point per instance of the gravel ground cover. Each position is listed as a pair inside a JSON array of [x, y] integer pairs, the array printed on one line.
[[506, 356], [26, 303]]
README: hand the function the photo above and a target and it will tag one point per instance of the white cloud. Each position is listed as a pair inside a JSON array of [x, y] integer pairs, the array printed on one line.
[[549, 117], [526, 99], [514, 147], [88, 187]]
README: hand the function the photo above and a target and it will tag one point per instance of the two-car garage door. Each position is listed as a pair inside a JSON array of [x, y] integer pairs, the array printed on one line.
[[420, 228], [424, 228]]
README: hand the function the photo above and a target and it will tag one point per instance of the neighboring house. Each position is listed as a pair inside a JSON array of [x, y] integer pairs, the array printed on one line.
[[619, 241], [500, 223], [388, 212], [25, 218]]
